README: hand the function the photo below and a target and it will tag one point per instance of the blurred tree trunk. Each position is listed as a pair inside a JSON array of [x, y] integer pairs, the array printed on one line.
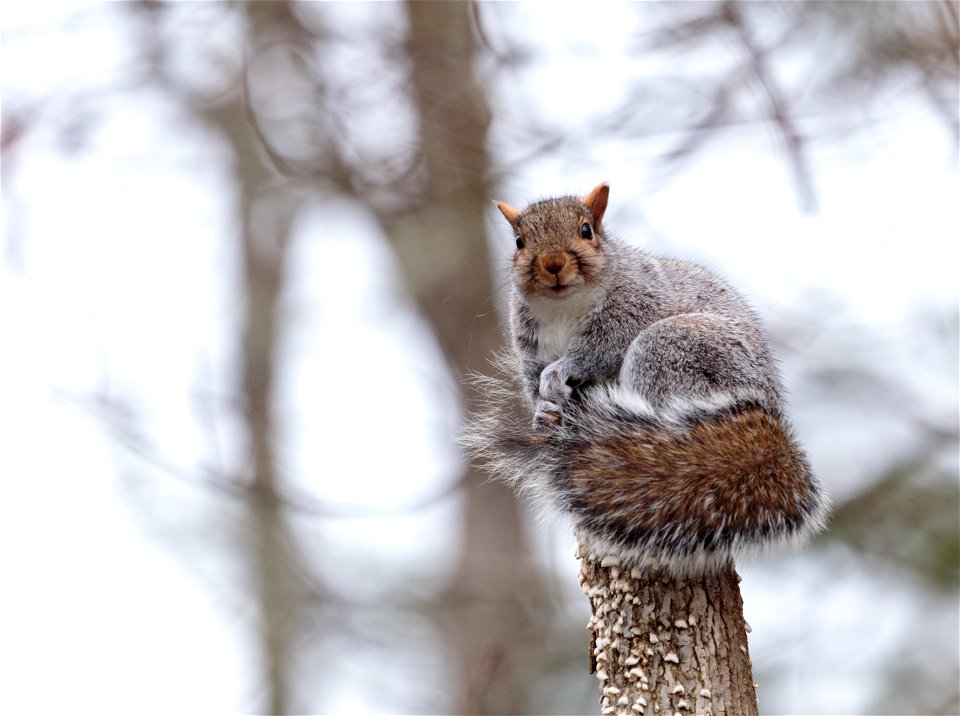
[[266, 206], [442, 249], [264, 238], [273, 567]]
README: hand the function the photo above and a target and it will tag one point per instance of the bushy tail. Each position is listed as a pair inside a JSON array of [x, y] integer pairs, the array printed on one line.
[[684, 489]]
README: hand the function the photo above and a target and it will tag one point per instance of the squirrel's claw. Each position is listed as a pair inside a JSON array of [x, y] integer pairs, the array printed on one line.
[[546, 415], [553, 383]]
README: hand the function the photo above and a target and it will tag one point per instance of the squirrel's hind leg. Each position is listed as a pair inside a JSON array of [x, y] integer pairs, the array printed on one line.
[[700, 357]]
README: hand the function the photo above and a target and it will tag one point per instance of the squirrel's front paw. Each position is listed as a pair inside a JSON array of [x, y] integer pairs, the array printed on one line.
[[546, 415], [553, 383]]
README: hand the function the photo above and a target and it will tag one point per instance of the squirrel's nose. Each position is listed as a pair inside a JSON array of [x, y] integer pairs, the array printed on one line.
[[554, 263]]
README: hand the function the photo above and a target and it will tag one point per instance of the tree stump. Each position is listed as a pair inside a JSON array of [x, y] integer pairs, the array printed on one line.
[[667, 645]]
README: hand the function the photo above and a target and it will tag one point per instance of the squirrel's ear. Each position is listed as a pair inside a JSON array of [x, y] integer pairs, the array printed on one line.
[[509, 213], [596, 201]]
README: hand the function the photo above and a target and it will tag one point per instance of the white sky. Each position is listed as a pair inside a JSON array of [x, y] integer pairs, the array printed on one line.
[[126, 271]]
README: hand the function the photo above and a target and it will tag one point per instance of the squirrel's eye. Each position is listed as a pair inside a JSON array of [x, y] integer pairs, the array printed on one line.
[[585, 232], [519, 243]]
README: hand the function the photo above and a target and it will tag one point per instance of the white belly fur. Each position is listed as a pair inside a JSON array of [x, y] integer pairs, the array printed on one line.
[[561, 319]]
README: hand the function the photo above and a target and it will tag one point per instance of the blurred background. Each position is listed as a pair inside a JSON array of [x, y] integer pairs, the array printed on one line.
[[249, 254]]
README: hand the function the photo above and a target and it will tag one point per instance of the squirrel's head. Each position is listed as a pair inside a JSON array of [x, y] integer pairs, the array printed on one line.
[[560, 244]]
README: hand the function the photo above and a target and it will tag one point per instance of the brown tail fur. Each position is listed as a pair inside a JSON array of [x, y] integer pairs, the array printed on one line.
[[684, 493]]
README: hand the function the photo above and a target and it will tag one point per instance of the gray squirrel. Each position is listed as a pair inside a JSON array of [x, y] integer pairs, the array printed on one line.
[[657, 410]]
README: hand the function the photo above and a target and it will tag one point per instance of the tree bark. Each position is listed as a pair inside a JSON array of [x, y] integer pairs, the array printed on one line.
[[661, 645]]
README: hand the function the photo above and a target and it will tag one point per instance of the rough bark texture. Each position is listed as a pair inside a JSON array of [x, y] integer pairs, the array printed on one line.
[[666, 645]]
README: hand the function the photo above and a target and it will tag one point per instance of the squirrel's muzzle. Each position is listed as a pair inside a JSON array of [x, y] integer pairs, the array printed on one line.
[[556, 269]]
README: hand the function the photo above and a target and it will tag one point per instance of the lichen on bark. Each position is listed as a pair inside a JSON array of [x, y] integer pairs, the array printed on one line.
[[662, 644]]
